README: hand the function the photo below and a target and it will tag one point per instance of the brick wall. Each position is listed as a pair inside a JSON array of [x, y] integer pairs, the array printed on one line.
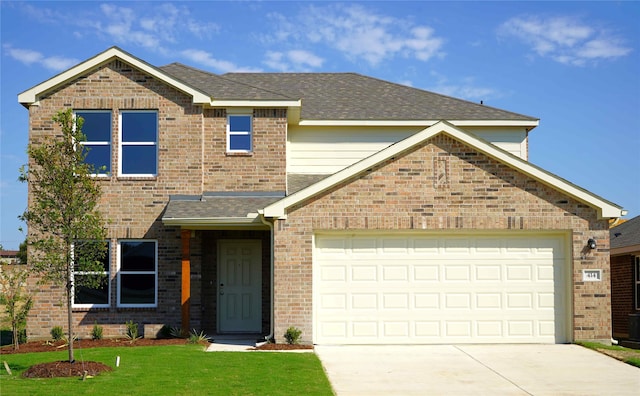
[[409, 192], [262, 170], [621, 294], [191, 159]]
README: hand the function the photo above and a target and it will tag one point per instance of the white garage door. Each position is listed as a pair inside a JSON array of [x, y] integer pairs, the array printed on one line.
[[410, 288]]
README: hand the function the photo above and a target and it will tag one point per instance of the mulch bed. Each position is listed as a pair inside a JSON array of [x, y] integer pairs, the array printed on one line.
[[83, 369]]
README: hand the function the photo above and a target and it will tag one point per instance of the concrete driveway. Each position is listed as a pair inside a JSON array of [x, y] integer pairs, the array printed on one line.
[[476, 370]]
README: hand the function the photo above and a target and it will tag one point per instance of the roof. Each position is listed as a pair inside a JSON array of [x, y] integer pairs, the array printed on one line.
[[312, 98], [219, 208], [625, 238], [605, 208], [351, 96]]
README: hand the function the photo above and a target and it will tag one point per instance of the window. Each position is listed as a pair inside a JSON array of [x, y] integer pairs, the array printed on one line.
[[97, 130], [637, 282], [137, 273], [239, 134], [139, 143], [87, 297]]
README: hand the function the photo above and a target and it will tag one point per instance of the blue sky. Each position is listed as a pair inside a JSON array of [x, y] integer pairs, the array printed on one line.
[[574, 65]]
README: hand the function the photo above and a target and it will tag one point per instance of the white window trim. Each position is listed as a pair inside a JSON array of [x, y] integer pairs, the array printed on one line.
[[137, 143], [99, 142], [108, 274], [239, 133], [154, 272]]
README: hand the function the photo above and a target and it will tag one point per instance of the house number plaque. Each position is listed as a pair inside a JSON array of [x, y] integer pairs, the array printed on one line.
[[594, 275]]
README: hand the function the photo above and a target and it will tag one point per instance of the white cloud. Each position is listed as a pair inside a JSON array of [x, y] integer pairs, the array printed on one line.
[[359, 33], [564, 39], [294, 60], [206, 59], [464, 89], [30, 57]]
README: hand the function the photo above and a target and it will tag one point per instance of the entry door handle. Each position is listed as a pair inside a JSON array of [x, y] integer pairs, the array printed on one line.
[[222, 289]]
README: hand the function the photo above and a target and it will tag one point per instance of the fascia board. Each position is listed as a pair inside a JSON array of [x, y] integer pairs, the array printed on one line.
[[210, 221], [631, 249], [31, 95], [605, 209], [255, 103], [423, 123]]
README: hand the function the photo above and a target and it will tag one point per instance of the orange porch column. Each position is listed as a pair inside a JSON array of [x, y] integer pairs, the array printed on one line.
[[186, 279]]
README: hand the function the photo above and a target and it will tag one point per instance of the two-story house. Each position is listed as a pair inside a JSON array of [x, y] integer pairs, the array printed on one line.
[[355, 209]]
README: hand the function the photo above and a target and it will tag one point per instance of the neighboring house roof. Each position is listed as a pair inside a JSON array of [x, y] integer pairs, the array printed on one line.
[[226, 208], [625, 238], [605, 208]]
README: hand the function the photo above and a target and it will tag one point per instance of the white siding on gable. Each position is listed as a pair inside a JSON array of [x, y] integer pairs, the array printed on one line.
[[326, 150], [513, 140]]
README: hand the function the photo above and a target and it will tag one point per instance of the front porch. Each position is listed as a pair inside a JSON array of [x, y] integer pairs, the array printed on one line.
[[226, 282]]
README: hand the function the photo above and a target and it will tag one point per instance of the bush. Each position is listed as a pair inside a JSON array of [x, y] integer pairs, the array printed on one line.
[[132, 330], [292, 335], [198, 338], [57, 333], [96, 332]]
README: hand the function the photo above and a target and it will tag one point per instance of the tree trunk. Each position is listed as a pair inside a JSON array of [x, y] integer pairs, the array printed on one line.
[[70, 317]]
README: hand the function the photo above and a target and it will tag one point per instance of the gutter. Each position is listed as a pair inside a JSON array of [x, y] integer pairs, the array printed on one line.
[[264, 221]]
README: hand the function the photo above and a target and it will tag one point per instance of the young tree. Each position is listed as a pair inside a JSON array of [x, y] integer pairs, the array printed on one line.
[[62, 216], [17, 302]]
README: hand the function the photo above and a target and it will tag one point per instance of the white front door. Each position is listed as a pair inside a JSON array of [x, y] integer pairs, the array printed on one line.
[[239, 286]]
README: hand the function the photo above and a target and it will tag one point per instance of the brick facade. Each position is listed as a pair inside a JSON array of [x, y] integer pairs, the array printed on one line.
[[622, 286], [405, 194], [441, 185], [192, 159]]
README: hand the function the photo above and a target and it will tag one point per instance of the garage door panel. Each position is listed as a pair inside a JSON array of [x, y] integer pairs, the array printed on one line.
[[423, 289]]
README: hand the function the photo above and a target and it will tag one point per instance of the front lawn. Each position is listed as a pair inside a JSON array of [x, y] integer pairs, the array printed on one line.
[[174, 370], [627, 355]]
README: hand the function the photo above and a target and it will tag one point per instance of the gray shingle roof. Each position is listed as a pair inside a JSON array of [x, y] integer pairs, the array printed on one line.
[[298, 181], [339, 96], [626, 234], [220, 88], [218, 205]]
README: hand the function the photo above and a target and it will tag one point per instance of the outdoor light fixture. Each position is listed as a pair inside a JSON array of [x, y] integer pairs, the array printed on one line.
[[591, 243]]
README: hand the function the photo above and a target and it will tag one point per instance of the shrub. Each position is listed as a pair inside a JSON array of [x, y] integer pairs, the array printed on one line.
[[57, 333], [132, 330], [292, 335], [198, 338], [96, 332]]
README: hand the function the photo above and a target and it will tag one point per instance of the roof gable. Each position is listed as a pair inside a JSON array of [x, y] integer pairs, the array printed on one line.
[[605, 208], [33, 94]]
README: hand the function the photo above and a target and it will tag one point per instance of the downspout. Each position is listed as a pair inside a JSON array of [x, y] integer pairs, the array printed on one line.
[[272, 321]]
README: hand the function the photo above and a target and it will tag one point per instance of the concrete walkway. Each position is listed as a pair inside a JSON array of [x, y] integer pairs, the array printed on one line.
[[476, 370]]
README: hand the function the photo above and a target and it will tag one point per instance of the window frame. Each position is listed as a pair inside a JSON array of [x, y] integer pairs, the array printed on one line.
[[120, 272], [108, 143], [107, 273], [137, 143], [239, 133]]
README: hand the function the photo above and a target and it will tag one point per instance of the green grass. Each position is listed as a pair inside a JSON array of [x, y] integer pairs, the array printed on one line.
[[174, 370], [632, 356]]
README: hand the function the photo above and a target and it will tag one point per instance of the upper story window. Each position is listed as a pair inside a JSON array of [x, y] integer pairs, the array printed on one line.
[[138, 143], [97, 130], [137, 273], [83, 296], [239, 134]]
